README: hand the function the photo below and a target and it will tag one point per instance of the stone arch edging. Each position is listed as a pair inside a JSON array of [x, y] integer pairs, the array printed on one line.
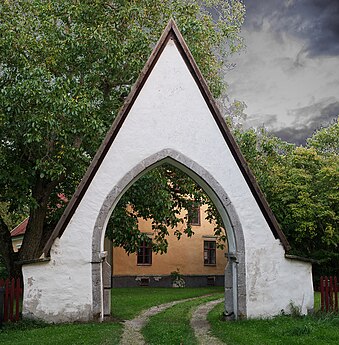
[[214, 190]]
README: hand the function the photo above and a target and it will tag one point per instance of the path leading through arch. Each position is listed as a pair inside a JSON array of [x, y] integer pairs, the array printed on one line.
[[132, 328]]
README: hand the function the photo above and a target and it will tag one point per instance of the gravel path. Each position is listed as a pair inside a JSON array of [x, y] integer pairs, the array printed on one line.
[[201, 326], [132, 328], [132, 335]]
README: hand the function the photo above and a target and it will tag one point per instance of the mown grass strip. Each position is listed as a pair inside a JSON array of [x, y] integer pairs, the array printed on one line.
[[281, 330], [172, 326], [126, 304], [28, 333]]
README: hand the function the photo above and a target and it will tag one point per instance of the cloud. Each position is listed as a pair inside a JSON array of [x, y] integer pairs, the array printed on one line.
[[316, 22], [325, 109], [288, 75], [308, 119], [294, 135]]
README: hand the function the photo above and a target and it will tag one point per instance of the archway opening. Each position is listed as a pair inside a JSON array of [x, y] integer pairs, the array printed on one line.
[[198, 189]]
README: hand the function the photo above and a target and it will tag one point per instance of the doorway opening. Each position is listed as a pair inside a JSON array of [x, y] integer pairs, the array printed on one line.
[[179, 219]]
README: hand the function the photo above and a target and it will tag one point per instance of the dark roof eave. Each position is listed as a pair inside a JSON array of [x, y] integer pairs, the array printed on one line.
[[301, 258]]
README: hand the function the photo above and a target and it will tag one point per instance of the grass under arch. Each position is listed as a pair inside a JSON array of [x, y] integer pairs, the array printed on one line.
[[129, 302], [173, 324], [126, 304]]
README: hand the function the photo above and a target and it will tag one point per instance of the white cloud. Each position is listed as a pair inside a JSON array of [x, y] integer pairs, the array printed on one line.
[[275, 77]]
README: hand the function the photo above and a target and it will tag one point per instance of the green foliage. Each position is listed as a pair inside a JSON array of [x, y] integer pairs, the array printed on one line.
[[176, 275], [65, 70], [3, 270], [11, 219], [160, 195], [326, 140], [301, 186], [295, 310]]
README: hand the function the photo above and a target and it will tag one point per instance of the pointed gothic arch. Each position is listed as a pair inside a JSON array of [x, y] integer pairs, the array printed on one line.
[[169, 115], [235, 274]]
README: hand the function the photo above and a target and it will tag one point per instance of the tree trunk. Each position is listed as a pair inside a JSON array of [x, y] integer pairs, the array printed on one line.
[[31, 245], [6, 249]]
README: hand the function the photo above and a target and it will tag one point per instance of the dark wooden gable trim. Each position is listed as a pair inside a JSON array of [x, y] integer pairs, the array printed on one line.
[[171, 32]]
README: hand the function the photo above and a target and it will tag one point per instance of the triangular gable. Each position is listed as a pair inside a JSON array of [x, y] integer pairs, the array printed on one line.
[[171, 32], [20, 229]]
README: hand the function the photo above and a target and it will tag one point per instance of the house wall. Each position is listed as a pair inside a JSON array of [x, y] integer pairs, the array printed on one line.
[[16, 242], [185, 255]]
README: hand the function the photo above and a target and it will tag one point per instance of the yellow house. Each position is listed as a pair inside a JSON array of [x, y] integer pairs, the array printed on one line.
[[196, 259], [17, 234]]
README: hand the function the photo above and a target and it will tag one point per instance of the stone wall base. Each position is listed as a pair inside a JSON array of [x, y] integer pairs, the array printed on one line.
[[166, 281]]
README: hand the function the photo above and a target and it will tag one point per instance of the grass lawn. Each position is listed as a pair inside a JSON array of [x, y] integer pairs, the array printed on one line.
[[317, 301], [129, 302], [281, 330], [173, 325], [126, 303], [27, 333]]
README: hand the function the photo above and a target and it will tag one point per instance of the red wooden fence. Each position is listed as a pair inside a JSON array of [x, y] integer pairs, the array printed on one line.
[[329, 294], [12, 299]]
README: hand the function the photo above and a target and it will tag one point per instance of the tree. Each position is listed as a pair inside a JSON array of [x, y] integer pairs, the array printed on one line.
[[65, 69], [301, 186], [160, 195]]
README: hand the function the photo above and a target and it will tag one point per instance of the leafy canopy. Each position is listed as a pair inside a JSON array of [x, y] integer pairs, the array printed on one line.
[[65, 70], [301, 186]]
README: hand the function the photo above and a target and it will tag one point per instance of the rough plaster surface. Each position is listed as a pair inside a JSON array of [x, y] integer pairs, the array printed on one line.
[[169, 113]]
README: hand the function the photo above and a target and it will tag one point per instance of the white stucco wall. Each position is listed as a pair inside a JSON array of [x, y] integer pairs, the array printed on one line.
[[59, 290], [168, 113]]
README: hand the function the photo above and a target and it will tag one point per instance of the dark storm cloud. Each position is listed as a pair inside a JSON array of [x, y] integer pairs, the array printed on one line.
[[314, 21], [295, 135], [322, 115]]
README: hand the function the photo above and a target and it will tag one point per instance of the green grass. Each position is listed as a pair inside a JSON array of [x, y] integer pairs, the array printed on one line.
[[308, 330], [172, 326], [129, 302], [31, 333], [317, 301], [126, 303]]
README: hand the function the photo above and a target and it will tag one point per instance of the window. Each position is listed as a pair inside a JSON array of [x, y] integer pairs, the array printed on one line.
[[194, 216], [144, 282], [209, 253], [211, 281], [145, 254]]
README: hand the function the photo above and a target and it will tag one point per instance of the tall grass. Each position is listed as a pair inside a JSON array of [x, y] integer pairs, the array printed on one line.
[[314, 329]]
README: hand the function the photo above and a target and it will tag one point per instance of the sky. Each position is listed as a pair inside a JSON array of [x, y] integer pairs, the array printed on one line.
[[288, 74]]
